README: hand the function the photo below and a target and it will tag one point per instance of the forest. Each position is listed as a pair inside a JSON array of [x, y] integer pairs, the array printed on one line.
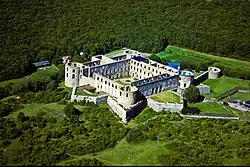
[[32, 31]]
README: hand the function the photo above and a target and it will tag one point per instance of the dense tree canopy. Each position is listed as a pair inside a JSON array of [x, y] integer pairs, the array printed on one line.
[[192, 94], [43, 29]]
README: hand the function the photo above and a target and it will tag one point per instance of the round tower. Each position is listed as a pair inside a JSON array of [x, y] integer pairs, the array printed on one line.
[[213, 72], [127, 96], [72, 73], [185, 79]]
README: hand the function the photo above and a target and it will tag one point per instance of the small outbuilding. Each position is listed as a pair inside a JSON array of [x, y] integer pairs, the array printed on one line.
[[42, 63]]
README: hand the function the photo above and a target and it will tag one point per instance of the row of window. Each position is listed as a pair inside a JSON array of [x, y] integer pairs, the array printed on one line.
[[73, 75], [112, 87]]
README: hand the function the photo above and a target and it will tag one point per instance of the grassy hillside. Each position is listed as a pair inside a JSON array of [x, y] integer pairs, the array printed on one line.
[[43, 29], [177, 54], [223, 84]]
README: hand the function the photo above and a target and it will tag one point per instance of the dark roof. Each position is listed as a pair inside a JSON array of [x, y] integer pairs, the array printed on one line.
[[247, 102], [41, 63], [247, 105], [140, 58]]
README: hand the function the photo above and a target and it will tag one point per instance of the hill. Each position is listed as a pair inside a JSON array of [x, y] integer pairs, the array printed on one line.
[[43, 29]]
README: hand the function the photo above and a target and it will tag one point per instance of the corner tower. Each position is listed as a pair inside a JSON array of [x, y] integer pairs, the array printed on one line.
[[185, 79], [72, 73]]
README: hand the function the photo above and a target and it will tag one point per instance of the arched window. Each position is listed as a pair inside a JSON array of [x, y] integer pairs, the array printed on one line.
[[73, 76], [67, 75]]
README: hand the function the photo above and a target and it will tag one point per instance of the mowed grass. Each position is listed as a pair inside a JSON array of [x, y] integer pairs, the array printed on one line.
[[45, 71], [209, 107], [244, 96], [223, 84], [178, 55], [114, 52], [166, 96], [186, 55], [125, 154], [51, 109]]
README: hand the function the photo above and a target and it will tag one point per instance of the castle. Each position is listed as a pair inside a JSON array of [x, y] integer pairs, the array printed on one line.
[[147, 78]]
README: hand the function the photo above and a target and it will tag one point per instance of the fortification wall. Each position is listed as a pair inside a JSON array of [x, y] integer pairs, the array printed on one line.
[[123, 113], [94, 99], [117, 108], [202, 77], [204, 89], [159, 106]]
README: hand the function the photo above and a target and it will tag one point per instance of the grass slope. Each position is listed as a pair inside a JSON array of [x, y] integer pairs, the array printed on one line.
[[125, 154], [223, 84], [245, 96], [45, 71], [210, 107], [51, 109], [181, 54]]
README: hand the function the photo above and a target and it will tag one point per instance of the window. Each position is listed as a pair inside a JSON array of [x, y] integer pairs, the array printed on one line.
[[73, 70], [101, 80], [105, 82], [179, 84], [67, 69], [115, 86], [141, 65], [73, 76], [109, 83], [153, 70], [112, 85], [120, 93], [80, 76], [67, 75], [126, 94], [148, 68], [184, 85]]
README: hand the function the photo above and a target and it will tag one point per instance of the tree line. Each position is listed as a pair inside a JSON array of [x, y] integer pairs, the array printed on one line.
[[36, 30]]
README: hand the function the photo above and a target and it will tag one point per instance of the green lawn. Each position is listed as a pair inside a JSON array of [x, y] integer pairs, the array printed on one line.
[[223, 84], [244, 96], [125, 154], [114, 52], [166, 96], [45, 71], [51, 109], [178, 55], [80, 92], [181, 54], [209, 107]]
